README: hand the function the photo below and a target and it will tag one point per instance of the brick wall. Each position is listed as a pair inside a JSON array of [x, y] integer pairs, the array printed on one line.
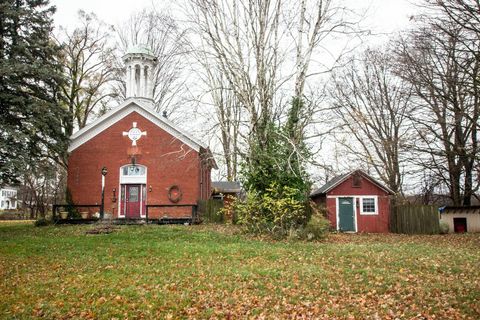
[[168, 161]]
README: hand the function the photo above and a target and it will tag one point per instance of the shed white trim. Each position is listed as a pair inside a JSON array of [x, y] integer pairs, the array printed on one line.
[[337, 207], [375, 199]]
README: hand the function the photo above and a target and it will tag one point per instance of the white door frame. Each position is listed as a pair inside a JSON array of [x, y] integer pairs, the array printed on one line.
[[337, 205], [126, 180]]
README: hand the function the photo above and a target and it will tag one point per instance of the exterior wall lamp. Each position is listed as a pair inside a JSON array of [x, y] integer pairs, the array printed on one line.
[[104, 173]]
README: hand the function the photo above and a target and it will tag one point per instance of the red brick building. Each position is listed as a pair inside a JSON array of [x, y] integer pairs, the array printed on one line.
[[150, 160], [355, 202]]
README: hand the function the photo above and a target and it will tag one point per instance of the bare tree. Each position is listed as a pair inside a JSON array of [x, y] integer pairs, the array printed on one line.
[[373, 106], [253, 46], [464, 13], [318, 21], [243, 41], [42, 187], [444, 75], [161, 34], [228, 119], [88, 62]]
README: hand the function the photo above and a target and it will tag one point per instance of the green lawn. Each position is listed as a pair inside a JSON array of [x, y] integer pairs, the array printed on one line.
[[211, 272]]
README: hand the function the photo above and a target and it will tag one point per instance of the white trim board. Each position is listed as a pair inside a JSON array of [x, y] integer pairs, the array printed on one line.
[[141, 181], [360, 197], [123, 110], [375, 198]]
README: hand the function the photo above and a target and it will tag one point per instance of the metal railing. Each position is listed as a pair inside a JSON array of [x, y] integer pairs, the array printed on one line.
[[56, 207]]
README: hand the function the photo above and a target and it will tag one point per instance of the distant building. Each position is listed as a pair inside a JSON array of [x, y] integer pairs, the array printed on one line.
[[228, 192], [8, 198], [223, 189], [461, 219]]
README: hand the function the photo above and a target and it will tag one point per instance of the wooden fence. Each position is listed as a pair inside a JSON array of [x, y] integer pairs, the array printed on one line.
[[210, 211], [411, 219]]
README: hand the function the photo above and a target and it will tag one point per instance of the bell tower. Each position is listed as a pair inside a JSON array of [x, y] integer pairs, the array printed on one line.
[[140, 65]]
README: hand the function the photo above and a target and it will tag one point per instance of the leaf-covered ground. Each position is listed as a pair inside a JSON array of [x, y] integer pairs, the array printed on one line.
[[157, 272]]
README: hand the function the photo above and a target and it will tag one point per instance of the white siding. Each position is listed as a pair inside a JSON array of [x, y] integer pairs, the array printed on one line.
[[8, 199], [473, 220]]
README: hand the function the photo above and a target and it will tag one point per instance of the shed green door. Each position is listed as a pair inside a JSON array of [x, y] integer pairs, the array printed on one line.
[[345, 214]]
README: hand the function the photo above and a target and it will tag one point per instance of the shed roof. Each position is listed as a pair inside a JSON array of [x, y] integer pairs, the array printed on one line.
[[327, 186], [226, 186], [335, 181]]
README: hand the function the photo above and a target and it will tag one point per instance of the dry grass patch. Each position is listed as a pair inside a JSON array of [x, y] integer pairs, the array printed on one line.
[[157, 272]]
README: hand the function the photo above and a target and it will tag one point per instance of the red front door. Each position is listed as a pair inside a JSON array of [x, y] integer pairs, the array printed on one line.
[[133, 201]]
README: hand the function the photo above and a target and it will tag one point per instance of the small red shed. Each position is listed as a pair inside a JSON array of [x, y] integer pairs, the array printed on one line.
[[355, 202]]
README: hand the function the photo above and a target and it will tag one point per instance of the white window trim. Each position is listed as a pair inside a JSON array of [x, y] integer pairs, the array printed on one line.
[[140, 179], [375, 198]]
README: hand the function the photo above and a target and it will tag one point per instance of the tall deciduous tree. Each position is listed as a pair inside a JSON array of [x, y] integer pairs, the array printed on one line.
[[250, 43], [243, 40], [442, 62], [88, 60], [30, 82], [373, 106], [228, 120]]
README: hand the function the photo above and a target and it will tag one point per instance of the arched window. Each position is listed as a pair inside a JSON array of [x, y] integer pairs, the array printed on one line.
[[133, 170], [133, 174]]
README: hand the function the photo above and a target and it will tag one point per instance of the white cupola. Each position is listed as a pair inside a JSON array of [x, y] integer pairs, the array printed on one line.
[[140, 65]]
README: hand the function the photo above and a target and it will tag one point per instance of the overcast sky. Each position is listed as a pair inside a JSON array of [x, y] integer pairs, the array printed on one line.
[[383, 15]]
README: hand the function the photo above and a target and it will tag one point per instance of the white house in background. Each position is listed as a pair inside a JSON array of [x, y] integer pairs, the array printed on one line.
[[8, 198]]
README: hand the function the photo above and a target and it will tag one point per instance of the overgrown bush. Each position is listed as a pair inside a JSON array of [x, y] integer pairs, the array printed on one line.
[[274, 174], [444, 228], [317, 228], [278, 213]]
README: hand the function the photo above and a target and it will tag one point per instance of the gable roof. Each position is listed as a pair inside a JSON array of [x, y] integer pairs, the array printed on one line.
[[341, 178], [142, 107], [330, 184]]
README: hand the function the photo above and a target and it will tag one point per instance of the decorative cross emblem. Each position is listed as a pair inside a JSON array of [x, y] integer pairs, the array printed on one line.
[[134, 134]]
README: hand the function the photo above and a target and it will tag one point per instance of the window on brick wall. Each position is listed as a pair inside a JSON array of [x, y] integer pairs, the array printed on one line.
[[133, 171]]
